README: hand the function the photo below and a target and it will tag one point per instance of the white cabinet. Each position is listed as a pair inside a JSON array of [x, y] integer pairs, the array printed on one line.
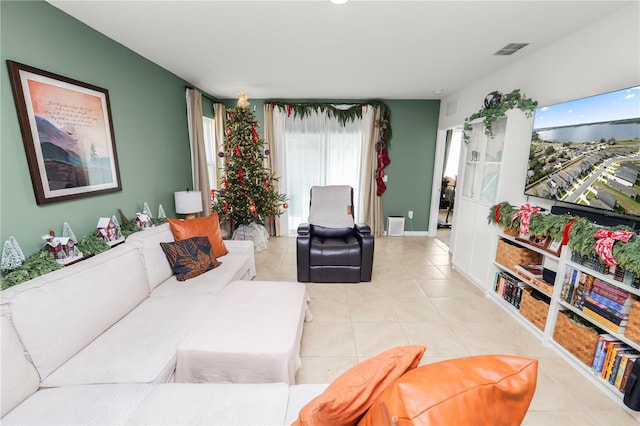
[[491, 170]]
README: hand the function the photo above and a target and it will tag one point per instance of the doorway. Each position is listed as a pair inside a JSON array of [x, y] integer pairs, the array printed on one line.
[[448, 181]]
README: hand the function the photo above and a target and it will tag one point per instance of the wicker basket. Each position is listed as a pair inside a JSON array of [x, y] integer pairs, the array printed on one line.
[[632, 331], [580, 341], [534, 310], [509, 255]]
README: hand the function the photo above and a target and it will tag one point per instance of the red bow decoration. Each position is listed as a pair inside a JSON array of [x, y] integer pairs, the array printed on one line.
[[240, 176], [237, 149], [254, 135], [288, 110], [226, 206], [212, 194], [604, 245], [497, 215], [525, 213]]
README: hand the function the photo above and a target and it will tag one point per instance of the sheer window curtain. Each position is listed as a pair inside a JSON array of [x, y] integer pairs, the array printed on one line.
[[317, 150], [199, 172], [220, 116]]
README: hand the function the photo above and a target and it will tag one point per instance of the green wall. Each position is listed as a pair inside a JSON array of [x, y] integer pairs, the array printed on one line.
[[149, 118], [412, 151]]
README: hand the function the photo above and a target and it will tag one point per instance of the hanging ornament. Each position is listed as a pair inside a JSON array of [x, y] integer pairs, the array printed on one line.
[[221, 154], [222, 191], [254, 135], [226, 206], [285, 205], [230, 115], [237, 150], [240, 176], [266, 182], [226, 183], [253, 209], [267, 152], [227, 131]]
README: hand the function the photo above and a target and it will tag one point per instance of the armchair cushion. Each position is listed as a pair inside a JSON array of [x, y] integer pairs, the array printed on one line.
[[331, 206]]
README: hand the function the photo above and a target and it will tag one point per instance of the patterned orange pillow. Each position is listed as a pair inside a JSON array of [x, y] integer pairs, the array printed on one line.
[[189, 258], [201, 226], [351, 394]]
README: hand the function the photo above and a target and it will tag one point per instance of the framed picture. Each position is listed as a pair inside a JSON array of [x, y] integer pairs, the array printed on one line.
[[67, 134], [554, 247], [523, 237], [541, 241]]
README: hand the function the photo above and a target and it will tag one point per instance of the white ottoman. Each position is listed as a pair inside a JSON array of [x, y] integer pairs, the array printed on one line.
[[251, 333]]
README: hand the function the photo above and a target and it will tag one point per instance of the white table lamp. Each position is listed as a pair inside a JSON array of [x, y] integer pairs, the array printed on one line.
[[188, 203]]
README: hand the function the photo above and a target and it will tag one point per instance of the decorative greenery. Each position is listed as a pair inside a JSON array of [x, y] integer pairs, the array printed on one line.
[[35, 265], [581, 234], [157, 221], [497, 110], [92, 244], [129, 228]]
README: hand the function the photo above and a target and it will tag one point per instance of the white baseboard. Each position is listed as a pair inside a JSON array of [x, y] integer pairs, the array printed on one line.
[[414, 234]]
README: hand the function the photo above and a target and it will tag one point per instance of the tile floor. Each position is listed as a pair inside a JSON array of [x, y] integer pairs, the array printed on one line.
[[416, 297]]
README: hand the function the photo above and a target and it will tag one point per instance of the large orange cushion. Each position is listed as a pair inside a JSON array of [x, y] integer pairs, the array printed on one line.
[[478, 390], [350, 395], [200, 227]]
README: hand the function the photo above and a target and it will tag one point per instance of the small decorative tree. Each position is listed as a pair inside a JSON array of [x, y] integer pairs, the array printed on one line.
[[146, 210], [68, 232], [11, 258], [248, 194]]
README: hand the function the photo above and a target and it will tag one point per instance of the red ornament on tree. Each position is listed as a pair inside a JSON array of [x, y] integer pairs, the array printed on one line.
[[230, 115], [237, 150], [285, 205], [227, 131], [254, 135], [240, 176]]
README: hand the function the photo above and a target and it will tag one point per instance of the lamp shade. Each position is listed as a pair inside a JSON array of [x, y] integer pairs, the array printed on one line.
[[188, 202]]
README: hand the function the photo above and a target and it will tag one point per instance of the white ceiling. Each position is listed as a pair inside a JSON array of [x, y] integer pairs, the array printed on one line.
[[312, 49]]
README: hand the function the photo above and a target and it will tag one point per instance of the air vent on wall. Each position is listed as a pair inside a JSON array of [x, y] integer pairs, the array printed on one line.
[[510, 49]]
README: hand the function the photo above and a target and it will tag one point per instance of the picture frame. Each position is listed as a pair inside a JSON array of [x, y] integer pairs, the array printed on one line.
[[524, 237], [540, 241], [68, 136], [554, 247]]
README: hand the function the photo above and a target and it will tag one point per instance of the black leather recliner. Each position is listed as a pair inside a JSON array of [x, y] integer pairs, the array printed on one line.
[[333, 255]]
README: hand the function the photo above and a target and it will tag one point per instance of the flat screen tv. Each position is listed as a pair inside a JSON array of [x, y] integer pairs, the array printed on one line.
[[586, 153]]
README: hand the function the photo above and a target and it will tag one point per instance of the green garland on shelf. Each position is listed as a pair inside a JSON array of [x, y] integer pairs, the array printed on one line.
[[580, 238], [498, 109]]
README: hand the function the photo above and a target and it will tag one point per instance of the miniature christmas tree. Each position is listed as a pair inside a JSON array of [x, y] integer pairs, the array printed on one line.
[[161, 213], [17, 248], [247, 194], [11, 258], [68, 232], [117, 224], [146, 210]]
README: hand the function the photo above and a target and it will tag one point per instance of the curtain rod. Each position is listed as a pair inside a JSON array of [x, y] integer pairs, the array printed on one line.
[[204, 95]]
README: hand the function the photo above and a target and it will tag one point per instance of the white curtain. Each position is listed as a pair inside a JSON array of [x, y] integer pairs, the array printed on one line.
[[317, 150], [221, 122]]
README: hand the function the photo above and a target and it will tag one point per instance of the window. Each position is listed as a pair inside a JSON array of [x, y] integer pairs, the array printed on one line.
[[210, 146], [317, 150]]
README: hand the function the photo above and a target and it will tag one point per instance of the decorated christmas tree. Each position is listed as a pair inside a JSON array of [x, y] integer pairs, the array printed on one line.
[[247, 194]]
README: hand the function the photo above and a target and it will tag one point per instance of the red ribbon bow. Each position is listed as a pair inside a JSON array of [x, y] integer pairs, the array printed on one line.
[[525, 213], [604, 245]]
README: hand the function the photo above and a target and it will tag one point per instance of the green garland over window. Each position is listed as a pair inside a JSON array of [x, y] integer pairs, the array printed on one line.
[[343, 116], [497, 109]]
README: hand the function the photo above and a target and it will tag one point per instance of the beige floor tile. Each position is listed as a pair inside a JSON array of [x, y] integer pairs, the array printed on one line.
[[328, 338], [373, 338], [417, 297], [323, 369]]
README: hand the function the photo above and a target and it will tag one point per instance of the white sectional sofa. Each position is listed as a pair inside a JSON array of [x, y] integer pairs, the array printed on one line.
[[97, 342]]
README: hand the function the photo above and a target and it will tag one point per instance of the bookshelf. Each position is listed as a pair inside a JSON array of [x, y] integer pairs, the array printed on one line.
[[561, 302]]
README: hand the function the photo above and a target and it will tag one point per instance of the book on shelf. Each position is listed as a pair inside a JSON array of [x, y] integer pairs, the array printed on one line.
[[614, 306], [614, 363], [621, 363], [582, 288], [604, 340], [604, 322], [627, 372], [611, 292], [602, 310], [611, 349]]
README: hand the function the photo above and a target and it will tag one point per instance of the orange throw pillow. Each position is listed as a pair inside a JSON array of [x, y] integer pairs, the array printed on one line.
[[477, 390], [351, 394], [200, 227]]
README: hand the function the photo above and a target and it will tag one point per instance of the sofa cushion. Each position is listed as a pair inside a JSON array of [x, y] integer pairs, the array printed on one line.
[[155, 261], [200, 227], [19, 377], [56, 315], [80, 405], [233, 267], [214, 404], [478, 390], [140, 348], [189, 258], [351, 394]]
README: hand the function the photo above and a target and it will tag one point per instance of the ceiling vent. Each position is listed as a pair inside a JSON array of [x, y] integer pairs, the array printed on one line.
[[510, 49]]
